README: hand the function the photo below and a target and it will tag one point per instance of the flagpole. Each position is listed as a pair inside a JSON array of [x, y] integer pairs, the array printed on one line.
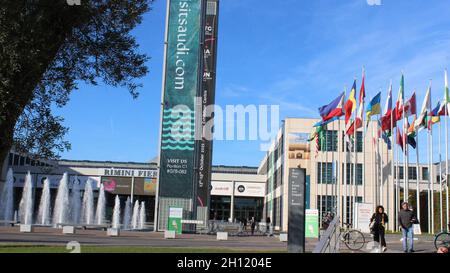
[[405, 157], [397, 177], [446, 101], [431, 171], [381, 164], [374, 179], [441, 214], [417, 177], [392, 160], [355, 147], [345, 189], [446, 161]]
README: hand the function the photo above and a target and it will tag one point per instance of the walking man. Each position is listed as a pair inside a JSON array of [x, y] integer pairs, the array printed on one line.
[[406, 220]]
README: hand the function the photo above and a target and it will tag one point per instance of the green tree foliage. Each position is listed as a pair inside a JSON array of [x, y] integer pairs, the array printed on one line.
[[47, 47]]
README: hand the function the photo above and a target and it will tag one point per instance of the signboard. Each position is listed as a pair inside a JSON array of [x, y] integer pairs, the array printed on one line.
[[128, 172], [250, 189], [417, 230], [312, 223], [56, 178], [296, 223], [221, 188], [175, 216], [207, 95], [19, 179], [123, 185], [363, 213], [181, 82]]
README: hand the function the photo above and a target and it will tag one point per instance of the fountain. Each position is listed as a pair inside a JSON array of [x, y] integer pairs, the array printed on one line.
[[142, 215], [7, 198], [135, 218], [116, 214], [26, 203], [87, 210], [44, 205], [60, 212], [127, 214], [75, 201], [101, 204]]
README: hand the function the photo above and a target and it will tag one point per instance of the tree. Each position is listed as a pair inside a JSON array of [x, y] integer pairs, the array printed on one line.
[[47, 47]]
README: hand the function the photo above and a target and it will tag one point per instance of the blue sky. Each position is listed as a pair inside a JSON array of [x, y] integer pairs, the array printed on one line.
[[298, 54]]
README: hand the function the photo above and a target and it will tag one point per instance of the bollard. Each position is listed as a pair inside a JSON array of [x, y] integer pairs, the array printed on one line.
[[114, 232], [26, 228], [169, 234], [283, 237], [222, 236]]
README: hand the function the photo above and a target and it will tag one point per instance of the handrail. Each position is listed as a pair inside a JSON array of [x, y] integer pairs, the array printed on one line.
[[329, 242]]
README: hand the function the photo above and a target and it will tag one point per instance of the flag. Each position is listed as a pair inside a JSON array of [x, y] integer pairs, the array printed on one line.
[[410, 106], [399, 138], [446, 94], [400, 98], [433, 116], [350, 105], [386, 121], [441, 111], [422, 119], [373, 108], [323, 123], [387, 114], [411, 134], [333, 109], [388, 104], [362, 96], [384, 135]]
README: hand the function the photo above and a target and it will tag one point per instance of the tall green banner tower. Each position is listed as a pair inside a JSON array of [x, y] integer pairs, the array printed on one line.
[[181, 110]]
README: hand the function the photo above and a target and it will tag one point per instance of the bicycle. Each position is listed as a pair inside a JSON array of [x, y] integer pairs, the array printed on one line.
[[352, 238], [442, 239]]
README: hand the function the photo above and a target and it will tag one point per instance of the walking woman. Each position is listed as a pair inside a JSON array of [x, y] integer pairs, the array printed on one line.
[[378, 226]]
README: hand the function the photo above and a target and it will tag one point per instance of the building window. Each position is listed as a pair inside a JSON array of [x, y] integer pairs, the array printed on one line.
[[324, 173], [425, 174], [348, 205], [350, 174], [400, 172], [326, 203], [330, 141], [412, 174], [16, 160], [10, 159], [359, 142]]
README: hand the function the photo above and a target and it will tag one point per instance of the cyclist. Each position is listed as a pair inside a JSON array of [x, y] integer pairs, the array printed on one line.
[[378, 226]]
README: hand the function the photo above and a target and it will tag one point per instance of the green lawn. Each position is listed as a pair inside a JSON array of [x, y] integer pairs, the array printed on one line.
[[126, 249]]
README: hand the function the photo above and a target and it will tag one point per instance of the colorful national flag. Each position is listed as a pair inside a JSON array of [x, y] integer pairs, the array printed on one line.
[[421, 121], [410, 106], [350, 105], [433, 116], [333, 109], [400, 100], [374, 107], [400, 139], [362, 96]]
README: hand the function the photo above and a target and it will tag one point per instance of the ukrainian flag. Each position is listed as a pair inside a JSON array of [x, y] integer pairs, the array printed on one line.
[[374, 107]]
